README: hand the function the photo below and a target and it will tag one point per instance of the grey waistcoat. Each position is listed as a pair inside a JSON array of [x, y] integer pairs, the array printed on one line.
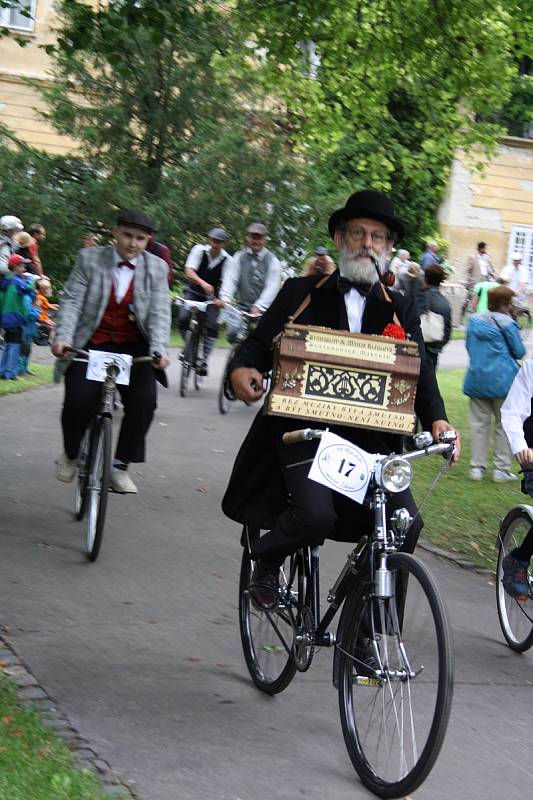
[[252, 277]]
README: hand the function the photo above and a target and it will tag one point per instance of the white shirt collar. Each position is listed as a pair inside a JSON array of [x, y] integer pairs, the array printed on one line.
[[260, 254], [118, 258]]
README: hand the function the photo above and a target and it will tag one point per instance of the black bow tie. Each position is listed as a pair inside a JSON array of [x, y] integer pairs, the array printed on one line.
[[344, 286], [126, 264]]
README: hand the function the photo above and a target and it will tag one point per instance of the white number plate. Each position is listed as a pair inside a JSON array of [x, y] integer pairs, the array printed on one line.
[[99, 361], [342, 466]]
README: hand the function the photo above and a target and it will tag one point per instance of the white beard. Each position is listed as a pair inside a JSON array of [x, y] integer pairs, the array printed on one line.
[[356, 266]]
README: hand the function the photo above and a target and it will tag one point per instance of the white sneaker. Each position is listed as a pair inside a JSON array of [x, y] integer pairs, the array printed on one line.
[[65, 468], [501, 475], [121, 482], [476, 473]]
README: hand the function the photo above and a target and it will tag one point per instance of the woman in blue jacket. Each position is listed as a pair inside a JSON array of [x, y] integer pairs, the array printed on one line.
[[494, 343]]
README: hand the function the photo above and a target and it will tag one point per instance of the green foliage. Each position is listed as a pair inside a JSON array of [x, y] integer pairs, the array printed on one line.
[[41, 376], [34, 763], [468, 523], [165, 123], [396, 88]]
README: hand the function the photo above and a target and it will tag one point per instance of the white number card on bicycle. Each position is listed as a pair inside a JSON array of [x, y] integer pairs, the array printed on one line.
[[100, 360], [342, 466]]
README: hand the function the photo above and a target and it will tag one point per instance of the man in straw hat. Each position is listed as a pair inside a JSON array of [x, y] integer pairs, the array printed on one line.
[[351, 299]]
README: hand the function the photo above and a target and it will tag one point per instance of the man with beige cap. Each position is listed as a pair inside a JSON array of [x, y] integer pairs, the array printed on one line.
[[253, 277]]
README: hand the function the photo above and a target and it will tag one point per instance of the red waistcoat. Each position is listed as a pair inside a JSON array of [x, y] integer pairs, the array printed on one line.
[[115, 325]]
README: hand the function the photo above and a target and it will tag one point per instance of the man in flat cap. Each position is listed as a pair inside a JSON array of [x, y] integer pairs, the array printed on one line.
[[253, 278], [204, 269], [263, 491], [115, 300]]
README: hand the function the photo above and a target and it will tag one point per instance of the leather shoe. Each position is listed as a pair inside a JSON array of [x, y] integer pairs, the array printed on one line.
[[121, 482], [264, 585]]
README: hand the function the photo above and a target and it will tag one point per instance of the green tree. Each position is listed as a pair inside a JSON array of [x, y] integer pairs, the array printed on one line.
[[382, 92], [161, 111]]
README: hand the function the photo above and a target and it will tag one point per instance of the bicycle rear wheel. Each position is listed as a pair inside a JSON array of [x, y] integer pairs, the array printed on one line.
[[516, 616], [188, 361], [395, 678], [80, 501], [267, 636], [98, 486]]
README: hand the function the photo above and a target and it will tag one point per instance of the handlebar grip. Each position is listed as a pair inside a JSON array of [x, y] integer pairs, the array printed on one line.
[[295, 437]]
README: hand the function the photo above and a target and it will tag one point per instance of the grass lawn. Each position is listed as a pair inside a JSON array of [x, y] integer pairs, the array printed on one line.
[[463, 515], [43, 375], [34, 763]]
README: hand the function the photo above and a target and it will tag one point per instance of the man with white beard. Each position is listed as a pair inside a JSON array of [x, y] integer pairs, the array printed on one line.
[[264, 492]]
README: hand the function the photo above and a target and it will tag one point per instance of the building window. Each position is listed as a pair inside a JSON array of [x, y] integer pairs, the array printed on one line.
[[521, 241], [20, 14]]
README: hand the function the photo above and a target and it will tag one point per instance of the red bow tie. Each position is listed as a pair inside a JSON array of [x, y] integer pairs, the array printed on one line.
[[126, 264]]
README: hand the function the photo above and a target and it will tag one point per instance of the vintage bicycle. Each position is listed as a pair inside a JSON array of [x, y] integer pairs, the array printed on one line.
[[393, 653], [190, 358], [226, 397], [95, 456]]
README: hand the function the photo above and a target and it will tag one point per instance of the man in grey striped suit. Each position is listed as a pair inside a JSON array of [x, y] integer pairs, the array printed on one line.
[[115, 299]]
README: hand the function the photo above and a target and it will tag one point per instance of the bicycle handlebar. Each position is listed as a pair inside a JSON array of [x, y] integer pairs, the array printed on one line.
[[199, 305], [139, 360], [440, 448]]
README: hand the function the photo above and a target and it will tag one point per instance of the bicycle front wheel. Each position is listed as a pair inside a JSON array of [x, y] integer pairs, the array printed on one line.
[[98, 486], [395, 678], [188, 361], [516, 616], [224, 403], [267, 636], [80, 501]]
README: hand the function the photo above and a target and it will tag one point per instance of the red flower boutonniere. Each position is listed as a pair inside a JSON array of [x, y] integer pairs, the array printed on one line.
[[394, 331]]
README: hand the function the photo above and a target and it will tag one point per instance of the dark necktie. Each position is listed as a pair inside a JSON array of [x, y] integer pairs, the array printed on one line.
[[126, 264], [344, 286]]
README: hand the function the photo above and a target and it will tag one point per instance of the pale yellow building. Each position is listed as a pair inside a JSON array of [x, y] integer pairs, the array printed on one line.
[[495, 206], [18, 101]]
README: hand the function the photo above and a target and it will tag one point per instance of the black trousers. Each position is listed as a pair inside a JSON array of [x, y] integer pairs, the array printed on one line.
[[82, 399], [316, 513]]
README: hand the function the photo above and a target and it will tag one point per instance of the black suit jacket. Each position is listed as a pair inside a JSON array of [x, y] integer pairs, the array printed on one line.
[[256, 493]]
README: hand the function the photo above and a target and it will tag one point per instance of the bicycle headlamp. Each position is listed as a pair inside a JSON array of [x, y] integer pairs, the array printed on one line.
[[394, 474]]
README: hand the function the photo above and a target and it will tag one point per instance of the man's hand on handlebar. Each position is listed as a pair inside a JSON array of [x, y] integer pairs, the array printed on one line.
[[525, 458], [441, 425], [162, 363], [247, 384], [59, 349]]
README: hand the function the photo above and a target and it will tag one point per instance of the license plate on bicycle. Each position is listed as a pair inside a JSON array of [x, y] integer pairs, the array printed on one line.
[[100, 360]]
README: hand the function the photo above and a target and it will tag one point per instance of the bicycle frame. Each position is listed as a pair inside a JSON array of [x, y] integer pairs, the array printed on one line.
[[381, 542]]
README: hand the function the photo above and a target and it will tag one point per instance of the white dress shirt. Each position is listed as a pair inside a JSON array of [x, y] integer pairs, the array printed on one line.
[[517, 407], [194, 259], [272, 285], [122, 276], [355, 305]]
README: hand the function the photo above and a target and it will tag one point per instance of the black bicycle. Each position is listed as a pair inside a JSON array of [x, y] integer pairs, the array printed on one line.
[[95, 457], [393, 656], [191, 362], [225, 397], [515, 613]]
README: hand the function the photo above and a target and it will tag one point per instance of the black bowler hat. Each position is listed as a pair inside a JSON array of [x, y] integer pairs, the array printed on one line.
[[367, 203], [135, 218]]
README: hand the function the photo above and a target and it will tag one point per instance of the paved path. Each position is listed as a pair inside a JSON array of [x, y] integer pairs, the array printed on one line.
[[142, 651]]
